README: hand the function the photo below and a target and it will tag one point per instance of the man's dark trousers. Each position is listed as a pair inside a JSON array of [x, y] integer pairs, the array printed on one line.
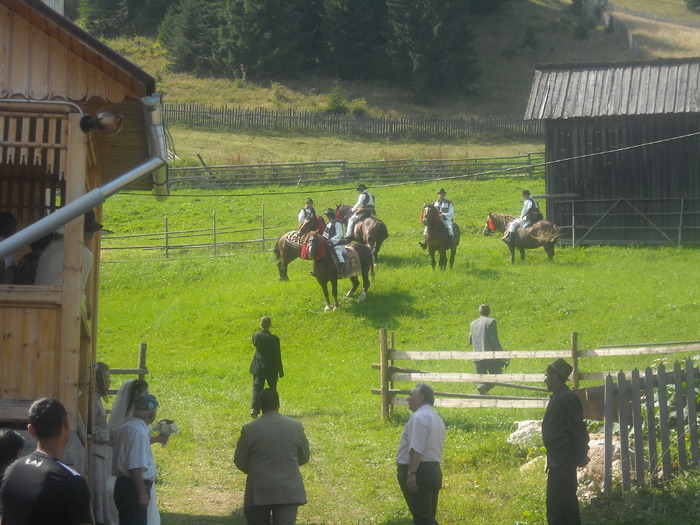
[[422, 504], [127, 500], [258, 386], [562, 503]]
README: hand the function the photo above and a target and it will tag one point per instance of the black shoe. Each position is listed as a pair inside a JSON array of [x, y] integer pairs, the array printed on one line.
[[254, 413], [422, 245]]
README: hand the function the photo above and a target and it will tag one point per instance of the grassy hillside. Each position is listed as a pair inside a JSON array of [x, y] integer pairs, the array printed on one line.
[[197, 316]]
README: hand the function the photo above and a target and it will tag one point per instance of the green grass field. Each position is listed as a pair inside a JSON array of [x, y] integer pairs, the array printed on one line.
[[197, 315]]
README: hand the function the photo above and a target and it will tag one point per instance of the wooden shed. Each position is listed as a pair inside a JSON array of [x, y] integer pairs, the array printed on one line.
[[623, 149], [60, 92]]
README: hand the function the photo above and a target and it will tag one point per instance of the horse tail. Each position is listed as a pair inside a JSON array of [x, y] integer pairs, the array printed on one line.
[[548, 234], [276, 249]]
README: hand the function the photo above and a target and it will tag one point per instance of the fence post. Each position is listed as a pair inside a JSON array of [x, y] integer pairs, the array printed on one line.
[[142, 360], [384, 373], [166, 238], [608, 415], [637, 422], [263, 227], [680, 420], [214, 230], [624, 429], [692, 412], [651, 421], [664, 437], [574, 358]]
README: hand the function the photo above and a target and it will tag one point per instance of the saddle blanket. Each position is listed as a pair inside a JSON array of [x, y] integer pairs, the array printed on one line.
[[352, 263], [293, 240]]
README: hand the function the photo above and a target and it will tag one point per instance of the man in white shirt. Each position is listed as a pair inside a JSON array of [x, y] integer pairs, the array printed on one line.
[[334, 234], [133, 464], [419, 456], [363, 208], [446, 209], [529, 214]]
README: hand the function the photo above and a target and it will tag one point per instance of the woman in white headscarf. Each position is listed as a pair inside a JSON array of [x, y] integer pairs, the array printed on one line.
[[122, 411]]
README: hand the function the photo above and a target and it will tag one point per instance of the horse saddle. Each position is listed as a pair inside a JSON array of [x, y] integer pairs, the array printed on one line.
[[353, 265], [294, 240]]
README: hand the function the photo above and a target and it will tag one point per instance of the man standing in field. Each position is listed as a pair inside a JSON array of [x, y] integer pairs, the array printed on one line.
[[566, 440], [266, 365], [270, 451], [419, 456], [483, 334]]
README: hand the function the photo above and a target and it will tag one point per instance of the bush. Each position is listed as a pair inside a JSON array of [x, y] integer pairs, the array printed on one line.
[[336, 102]]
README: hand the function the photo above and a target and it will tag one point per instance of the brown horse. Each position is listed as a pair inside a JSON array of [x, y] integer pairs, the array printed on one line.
[[325, 270], [437, 237], [287, 248], [542, 233], [370, 231]]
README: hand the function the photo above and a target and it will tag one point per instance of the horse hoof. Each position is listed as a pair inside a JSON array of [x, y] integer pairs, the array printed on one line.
[[362, 297], [328, 308], [336, 308]]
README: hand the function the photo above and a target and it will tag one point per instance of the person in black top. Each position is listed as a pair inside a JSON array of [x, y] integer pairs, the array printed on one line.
[[566, 439], [266, 364], [11, 445], [38, 489]]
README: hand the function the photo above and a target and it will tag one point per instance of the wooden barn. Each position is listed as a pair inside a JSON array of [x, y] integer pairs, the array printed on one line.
[[78, 123], [623, 150]]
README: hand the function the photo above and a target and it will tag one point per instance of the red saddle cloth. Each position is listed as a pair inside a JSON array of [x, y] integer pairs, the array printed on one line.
[[321, 251]]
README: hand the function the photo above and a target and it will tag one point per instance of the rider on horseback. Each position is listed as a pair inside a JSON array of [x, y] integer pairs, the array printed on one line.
[[307, 212], [334, 234], [446, 209], [530, 214], [361, 210]]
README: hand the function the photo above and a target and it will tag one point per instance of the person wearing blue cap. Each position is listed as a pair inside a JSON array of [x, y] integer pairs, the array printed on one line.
[[133, 463]]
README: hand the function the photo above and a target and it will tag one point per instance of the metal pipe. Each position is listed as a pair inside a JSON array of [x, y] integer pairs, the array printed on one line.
[[76, 208]]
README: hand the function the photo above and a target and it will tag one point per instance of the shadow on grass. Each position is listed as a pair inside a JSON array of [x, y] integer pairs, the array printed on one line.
[[236, 518]]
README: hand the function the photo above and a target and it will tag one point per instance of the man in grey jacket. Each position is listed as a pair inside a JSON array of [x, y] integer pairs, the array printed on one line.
[[483, 334], [270, 451]]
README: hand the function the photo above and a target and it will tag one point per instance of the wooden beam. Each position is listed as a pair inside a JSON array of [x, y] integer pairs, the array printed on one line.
[[475, 356], [449, 377]]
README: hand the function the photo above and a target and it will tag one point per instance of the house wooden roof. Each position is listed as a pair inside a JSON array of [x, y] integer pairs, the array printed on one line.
[[47, 57], [631, 88]]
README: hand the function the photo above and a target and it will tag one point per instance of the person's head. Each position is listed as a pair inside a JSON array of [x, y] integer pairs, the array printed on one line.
[[485, 310], [266, 322], [90, 224], [47, 419], [422, 394], [526, 194], [146, 408], [269, 400], [8, 224], [441, 193], [102, 379], [11, 445], [556, 374], [138, 387], [330, 213], [309, 203], [361, 188]]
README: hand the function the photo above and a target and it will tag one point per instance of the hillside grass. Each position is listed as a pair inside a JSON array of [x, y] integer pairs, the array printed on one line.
[[197, 315]]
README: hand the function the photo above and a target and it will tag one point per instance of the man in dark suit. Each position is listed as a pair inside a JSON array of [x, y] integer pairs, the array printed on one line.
[[267, 362], [270, 451], [483, 334]]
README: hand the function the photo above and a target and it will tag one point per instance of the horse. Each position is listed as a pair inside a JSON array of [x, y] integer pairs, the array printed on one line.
[[288, 246], [370, 230], [437, 237], [542, 233], [357, 257]]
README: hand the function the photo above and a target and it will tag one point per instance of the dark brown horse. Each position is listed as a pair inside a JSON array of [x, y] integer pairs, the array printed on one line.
[[542, 233], [287, 248], [370, 231], [437, 237], [325, 269]]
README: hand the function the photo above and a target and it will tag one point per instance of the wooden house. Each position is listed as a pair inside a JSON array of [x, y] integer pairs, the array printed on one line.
[[622, 149], [63, 93]]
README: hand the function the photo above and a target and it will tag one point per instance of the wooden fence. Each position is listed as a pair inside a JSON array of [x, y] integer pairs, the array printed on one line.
[[390, 373], [344, 172], [292, 119], [638, 396], [215, 238]]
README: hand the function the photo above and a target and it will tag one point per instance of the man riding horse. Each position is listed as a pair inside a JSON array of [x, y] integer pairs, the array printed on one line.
[[446, 209], [334, 234], [530, 214], [361, 210]]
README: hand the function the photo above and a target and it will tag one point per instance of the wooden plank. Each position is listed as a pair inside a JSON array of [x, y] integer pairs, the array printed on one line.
[[638, 425], [472, 356], [664, 425], [19, 56], [5, 52], [453, 377], [30, 343], [58, 70], [651, 424], [624, 430], [39, 66], [11, 358], [19, 294], [692, 412], [47, 355], [15, 410], [641, 350], [680, 419], [397, 391], [483, 402], [77, 82], [609, 417], [128, 371]]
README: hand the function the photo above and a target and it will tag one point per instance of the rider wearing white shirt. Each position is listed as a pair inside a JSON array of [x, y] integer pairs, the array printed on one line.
[[334, 234], [363, 208], [307, 212], [527, 216], [446, 209]]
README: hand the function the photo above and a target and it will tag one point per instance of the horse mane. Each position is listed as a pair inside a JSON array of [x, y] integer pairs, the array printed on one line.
[[428, 207], [501, 220]]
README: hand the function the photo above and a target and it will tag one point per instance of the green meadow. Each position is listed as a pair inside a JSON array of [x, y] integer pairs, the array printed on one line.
[[197, 313]]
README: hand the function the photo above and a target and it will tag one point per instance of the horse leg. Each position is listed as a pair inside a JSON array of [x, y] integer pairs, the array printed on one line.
[[282, 267], [355, 283], [365, 287], [549, 248], [443, 259], [432, 257], [512, 253], [453, 252], [334, 290], [324, 287], [522, 254]]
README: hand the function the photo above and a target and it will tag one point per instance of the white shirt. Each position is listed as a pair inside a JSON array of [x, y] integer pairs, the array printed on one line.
[[446, 208], [49, 270], [424, 433], [365, 199], [337, 232], [526, 208], [132, 449]]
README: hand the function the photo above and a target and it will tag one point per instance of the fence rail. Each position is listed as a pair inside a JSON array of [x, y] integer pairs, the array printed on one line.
[[344, 172], [292, 119]]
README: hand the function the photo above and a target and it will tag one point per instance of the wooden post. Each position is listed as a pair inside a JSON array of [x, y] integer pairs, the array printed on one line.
[[664, 437], [624, 429], [680, 220], [651, 421], [692, 412], [263, 227], [384, 372], [142, 360], [574, 359], [680, 420], [214, 230], [608, 425], [637, 423], [391, 382]]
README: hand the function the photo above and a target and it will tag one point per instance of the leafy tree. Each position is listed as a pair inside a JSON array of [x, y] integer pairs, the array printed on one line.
[[261, 38], [145, 16], [430, 45], [190, 35], [693, 5], [355, 40], [312, 38], [104, 18]]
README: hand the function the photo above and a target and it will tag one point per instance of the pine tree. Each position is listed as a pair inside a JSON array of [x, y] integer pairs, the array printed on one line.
[[104, 18]]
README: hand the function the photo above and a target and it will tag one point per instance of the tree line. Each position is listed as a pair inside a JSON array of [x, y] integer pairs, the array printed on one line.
[[425, 46]]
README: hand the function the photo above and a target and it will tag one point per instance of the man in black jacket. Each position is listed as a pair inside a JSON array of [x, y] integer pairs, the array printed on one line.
[[566, 440], [266, 364]]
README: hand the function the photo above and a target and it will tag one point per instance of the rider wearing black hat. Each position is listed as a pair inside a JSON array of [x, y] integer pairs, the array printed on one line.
[[334, 234], [446, 209], [362, 209]]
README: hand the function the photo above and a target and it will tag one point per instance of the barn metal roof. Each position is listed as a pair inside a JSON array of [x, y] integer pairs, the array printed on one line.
[[654, 87]]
